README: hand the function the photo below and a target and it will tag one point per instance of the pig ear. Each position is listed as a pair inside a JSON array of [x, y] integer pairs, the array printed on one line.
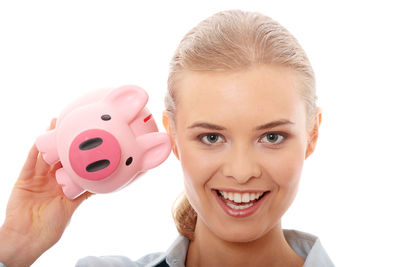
[[156, 148], [129, 99]]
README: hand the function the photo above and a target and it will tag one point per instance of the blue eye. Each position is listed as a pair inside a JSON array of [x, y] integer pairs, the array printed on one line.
[[273, 138], [210, 139]]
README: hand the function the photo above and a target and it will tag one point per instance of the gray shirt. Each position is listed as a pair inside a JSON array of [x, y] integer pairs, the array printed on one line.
[[305, 245]]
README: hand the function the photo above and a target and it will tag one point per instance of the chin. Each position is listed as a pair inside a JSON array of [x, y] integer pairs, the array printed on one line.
[[242, 233]]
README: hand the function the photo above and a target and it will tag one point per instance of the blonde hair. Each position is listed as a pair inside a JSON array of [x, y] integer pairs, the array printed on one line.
[[231, 41]]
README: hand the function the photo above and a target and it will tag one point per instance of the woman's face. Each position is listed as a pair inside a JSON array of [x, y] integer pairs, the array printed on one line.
[[241, 138]]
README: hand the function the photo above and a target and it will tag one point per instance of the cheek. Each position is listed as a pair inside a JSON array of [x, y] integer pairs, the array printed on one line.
[[285, 172], [198, 167], [198, 163], [285, 168]]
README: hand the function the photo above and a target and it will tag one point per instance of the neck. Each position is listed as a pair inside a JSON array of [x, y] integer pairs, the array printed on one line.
[[207, 249]]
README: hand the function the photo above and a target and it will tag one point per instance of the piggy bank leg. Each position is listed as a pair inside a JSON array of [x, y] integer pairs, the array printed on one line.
[[70, 189]]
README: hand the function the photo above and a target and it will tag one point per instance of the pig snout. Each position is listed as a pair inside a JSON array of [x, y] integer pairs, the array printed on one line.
[[94, 154]]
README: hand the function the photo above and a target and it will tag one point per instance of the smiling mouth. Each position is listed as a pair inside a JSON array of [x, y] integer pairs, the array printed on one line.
[[240, 201]]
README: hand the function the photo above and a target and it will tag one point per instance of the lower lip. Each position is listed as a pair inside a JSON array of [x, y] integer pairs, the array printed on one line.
[[240, 213]]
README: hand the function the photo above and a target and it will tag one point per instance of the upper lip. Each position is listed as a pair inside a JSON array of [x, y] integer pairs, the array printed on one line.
[[241, 190]]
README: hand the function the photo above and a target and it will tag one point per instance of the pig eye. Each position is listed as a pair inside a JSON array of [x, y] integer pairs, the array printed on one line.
[[106, 117], [128, 161]]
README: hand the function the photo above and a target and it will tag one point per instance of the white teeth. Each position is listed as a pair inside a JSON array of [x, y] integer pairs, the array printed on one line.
[[240, 197], [246, 197], [237, 198], [241, 207]]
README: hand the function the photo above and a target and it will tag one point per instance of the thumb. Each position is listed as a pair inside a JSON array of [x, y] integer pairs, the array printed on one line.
[[76, 202], [53, 123]]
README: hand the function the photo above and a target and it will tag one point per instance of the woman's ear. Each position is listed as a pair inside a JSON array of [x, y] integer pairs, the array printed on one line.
[[313, 133], [169, 127]]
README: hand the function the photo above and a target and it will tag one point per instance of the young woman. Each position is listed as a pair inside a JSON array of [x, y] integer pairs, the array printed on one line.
[[241, 112]]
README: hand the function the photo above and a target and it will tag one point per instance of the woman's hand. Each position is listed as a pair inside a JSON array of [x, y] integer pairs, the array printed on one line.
[[37, 212]]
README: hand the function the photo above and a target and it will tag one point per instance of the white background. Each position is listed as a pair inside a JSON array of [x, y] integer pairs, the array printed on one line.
[[52, 52]]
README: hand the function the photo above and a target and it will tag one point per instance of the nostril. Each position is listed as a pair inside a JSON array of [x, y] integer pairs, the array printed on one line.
[[97, 165], [91, 143]]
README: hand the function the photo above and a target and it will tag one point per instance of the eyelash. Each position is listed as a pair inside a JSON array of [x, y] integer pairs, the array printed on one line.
[[282, 136]]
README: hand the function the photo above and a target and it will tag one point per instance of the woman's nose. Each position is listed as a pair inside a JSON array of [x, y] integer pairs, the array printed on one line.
[[242, 164]]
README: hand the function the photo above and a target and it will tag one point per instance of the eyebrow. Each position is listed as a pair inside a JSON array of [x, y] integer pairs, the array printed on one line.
[[265, 126]]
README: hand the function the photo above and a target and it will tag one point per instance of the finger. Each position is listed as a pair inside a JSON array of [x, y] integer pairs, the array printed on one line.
[[54, 168], [53, 123], [42, 168], [30, 163]]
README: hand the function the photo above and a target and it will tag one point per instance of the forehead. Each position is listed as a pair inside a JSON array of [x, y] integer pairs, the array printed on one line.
[[260, 94]]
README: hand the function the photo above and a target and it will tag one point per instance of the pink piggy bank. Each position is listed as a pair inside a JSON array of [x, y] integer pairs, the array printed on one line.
[[104, 141]]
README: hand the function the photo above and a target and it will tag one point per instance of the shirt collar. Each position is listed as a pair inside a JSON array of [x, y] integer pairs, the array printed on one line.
[[305, 245], [176, 254]]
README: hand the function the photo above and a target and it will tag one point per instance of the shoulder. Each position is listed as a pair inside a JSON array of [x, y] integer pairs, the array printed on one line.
[[308, 247], [120, 261], [175, 256]]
